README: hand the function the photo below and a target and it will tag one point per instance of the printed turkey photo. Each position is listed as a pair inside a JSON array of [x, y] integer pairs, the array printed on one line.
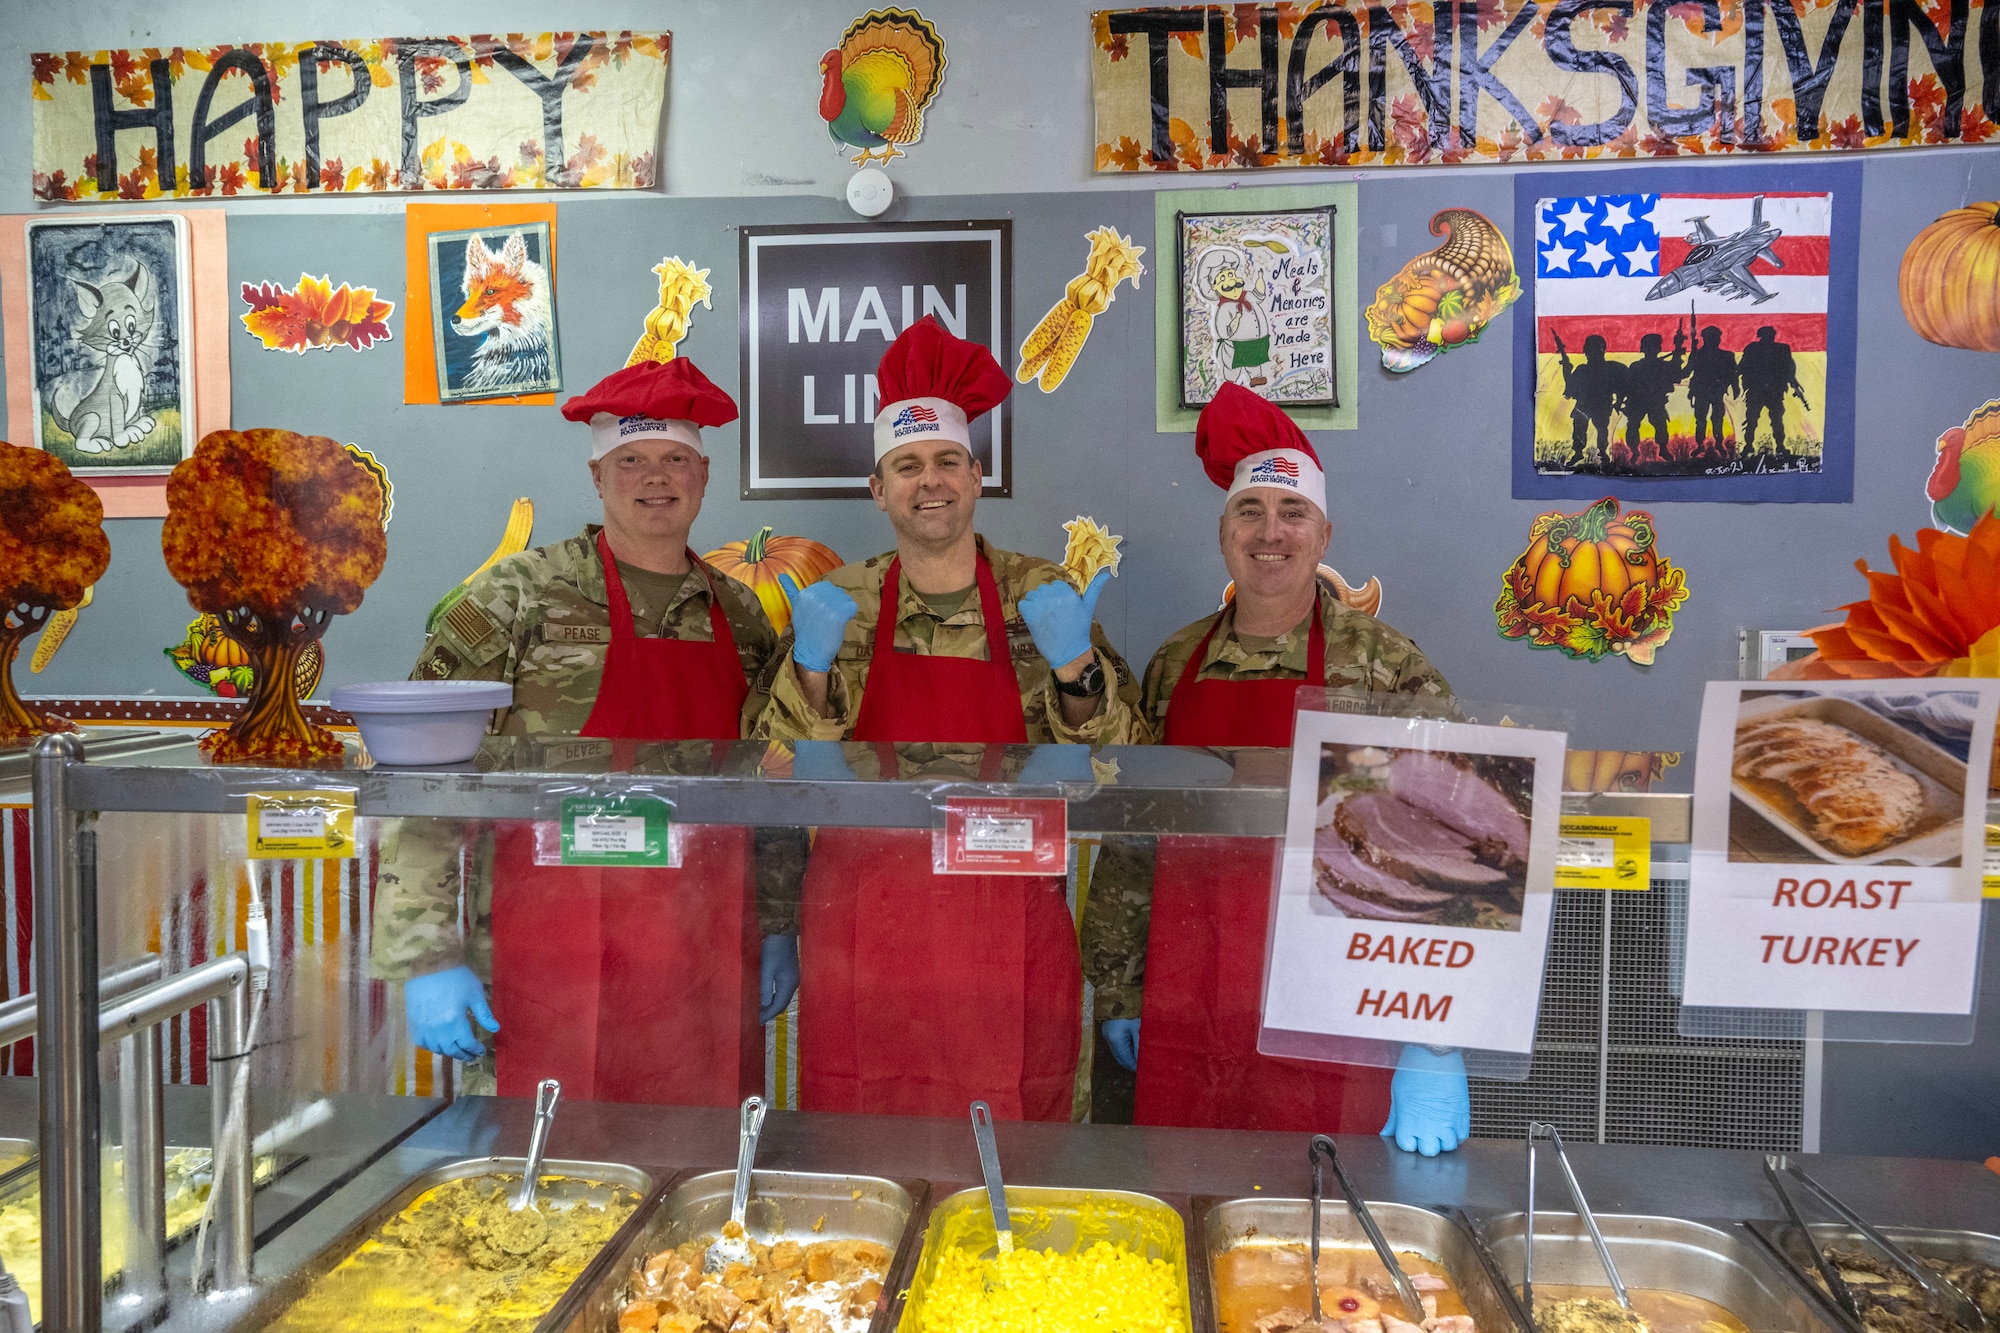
[[1851, 778], [1429, 836]]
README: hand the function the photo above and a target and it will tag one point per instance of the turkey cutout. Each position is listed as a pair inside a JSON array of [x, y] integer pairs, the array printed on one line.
[[1444, 297], [1965, 480], [877, 83]]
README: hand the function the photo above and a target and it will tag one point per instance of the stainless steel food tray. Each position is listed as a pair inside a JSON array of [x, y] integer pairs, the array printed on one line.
[[1782, 1239], [282, 1295], [797, 1205], [1225, 1224], [1718, 1263], [1049, 1219]]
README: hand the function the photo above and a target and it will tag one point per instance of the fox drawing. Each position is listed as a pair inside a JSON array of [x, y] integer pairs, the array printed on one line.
[[118, 318], [507, 300]]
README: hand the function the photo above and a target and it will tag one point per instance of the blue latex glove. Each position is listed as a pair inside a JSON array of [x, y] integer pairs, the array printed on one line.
[[1058, 763], [820, 761], [1059, 618], [1430, 1104], [434, 1007], [1122, 1036], [777, 975], [820, 613]]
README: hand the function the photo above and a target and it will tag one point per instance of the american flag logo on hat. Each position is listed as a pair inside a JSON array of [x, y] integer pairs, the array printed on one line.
[[1281, 465], [917, 413]]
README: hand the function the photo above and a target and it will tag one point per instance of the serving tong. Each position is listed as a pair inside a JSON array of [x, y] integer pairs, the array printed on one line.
[[1537, 1129], [735, 1249], [1322, 1147], [1943, 1297]]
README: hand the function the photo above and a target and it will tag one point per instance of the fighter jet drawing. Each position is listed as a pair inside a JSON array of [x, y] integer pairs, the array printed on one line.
[[1722, 263]]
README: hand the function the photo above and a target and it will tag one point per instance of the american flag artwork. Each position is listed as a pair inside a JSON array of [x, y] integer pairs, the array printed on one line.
[[1283, 466], [918, 412], [1681, 334]]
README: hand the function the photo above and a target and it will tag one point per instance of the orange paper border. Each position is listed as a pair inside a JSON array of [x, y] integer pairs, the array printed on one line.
[[141, 496], [419, 344]]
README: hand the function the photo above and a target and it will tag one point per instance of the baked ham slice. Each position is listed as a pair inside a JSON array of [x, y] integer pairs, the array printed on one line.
[[1461, 799], [1357, 887], [1858, 797], [1406, 842]]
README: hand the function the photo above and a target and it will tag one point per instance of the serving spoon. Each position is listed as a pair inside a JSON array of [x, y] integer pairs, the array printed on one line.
[[735, 1249], [989, 1167], [524, 1229]]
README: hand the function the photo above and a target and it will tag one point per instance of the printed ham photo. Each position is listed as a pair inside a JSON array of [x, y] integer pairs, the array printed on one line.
[[1855, 778], [1427, 836]]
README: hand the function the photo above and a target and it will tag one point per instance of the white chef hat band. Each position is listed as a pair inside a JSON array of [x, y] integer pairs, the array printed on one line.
[[608, 432], [909, 420], [1287, 469]]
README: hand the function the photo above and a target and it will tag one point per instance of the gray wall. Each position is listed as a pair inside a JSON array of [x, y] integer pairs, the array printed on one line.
[[1421, 492]]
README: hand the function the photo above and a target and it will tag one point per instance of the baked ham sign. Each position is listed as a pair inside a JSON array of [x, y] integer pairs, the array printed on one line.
[[1838, 834], [1417, 888]]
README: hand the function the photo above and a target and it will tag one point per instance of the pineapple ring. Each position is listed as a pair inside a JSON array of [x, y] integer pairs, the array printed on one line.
[[1335, 1301]]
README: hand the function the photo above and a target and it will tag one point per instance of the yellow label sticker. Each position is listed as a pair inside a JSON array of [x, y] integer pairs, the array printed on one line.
[[1614, 852], [301, 823], [1991, 872]]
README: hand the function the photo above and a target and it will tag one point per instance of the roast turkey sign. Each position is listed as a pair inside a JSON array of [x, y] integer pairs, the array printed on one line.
[[544, 111], [1439, 82]]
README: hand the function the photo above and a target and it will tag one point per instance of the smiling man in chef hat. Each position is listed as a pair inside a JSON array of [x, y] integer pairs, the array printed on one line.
[[928, 991], [623, 633], [1231, 679]]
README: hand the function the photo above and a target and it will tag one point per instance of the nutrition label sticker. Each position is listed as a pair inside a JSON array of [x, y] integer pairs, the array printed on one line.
[[611, 831], [1613, 852], [990, 833], [1002, 836], [300, 824], [1991, 872]]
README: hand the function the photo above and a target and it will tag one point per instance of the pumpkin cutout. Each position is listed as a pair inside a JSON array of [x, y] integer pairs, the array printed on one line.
[[759, 561], [1950, 280], [1590, 584]]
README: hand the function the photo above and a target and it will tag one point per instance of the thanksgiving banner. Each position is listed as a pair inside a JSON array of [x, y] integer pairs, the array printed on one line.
[[547, 111], [1429, 82]]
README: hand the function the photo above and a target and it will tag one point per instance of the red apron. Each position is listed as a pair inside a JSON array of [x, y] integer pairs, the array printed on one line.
[[636, 985], [923, 992], [1198, 1060]]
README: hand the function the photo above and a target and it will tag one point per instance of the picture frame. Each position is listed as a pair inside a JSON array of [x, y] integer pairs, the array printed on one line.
[[821, 303], [493, 312], [111, 342], [1256, 304]]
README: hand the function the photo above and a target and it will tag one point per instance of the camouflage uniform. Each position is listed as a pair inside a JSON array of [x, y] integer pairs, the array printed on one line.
[[963, 634], [541, 620], [1363, 656]]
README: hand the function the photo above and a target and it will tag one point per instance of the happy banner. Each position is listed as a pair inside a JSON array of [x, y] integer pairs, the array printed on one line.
[[549, 111], [1233, 87]]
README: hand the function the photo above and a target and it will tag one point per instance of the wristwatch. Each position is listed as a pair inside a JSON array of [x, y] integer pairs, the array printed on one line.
[[1088, 684]]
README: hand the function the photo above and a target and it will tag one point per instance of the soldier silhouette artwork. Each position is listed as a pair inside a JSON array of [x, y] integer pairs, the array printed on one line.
[[1593, 388], [1766, 373], [1649, 382], [1711, 375]]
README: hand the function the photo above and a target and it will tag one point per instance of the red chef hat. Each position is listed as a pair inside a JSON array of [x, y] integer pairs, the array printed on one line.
[[933, 386], [651, 401], [1244, 441]]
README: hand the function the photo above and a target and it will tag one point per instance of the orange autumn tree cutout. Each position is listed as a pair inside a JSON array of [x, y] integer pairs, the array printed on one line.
[[315, 314], [1937, 614], [274, 533], [52, 549], [1590, 584]]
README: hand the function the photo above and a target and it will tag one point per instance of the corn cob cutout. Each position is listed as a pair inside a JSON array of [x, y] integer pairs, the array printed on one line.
[[681, 286], [1052, 348]]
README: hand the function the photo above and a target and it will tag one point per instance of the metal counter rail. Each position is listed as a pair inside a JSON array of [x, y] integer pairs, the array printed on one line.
[[1237, 793]]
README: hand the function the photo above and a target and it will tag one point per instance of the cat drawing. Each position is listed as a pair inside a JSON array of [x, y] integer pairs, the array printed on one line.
[[507, 300], [118, 317]]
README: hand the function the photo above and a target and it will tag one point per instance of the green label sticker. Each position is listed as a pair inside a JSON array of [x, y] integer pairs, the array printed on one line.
[[616, 831]]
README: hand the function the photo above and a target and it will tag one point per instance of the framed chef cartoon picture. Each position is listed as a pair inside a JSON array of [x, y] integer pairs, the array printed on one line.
[[1256, 305]]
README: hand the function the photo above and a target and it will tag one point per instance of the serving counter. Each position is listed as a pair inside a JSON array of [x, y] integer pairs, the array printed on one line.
[[133, 840]]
